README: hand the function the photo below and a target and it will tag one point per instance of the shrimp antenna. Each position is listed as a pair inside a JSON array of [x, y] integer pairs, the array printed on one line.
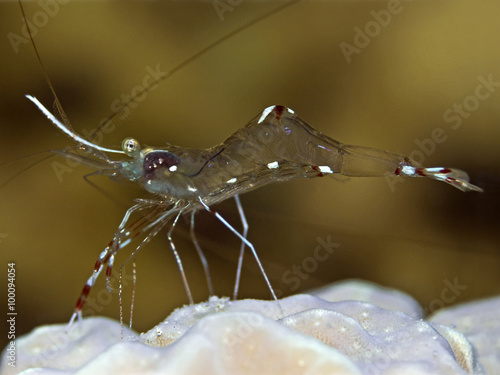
[[57, 102], [68, 131], [189, 61], [21, 171], [66, 127]]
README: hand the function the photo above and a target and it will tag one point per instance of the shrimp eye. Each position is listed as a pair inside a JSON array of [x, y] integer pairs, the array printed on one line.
[[130, 146], [159, 161]]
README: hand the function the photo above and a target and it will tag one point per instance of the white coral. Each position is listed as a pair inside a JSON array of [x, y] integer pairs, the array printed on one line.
[[306, 335]]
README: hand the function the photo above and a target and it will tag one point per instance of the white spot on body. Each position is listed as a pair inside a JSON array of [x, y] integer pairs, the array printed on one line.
[[325, 169], [265, 112], [433, 170], [273, 165], [408, 170]]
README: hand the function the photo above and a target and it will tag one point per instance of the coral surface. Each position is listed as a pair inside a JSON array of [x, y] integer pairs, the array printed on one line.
[[348, 328]]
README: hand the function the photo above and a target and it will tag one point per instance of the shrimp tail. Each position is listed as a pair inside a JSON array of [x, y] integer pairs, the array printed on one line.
[[454, 177]]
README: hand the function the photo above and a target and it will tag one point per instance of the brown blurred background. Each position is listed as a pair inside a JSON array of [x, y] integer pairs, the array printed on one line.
[[394, 92]]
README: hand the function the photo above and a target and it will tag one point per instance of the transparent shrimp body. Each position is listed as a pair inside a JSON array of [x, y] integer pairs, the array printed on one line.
[[274, 147]]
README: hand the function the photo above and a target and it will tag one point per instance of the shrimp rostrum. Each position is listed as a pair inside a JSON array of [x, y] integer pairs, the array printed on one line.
[[275, 146]]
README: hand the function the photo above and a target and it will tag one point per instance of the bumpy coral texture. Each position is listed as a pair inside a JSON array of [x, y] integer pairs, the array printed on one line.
[[367, 330]]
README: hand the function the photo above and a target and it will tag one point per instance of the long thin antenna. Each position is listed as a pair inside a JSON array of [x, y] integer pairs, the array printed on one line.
[[190, 60], [57, 102]]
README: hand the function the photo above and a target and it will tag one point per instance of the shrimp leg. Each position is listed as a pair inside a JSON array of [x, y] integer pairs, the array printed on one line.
[[242, 249], [201, 255], [157, 227], [247, 243], [178, 258], [106, 258]]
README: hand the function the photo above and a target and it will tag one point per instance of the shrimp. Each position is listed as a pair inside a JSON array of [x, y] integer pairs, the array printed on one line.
[[276, 146]]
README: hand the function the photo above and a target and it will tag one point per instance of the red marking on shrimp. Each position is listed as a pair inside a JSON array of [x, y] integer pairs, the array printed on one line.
[[109, 271], [97, 265], [420, 172], [397, 172], [136, 224], [83, 297], [315, 168], [445, 170], [279, 111]]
